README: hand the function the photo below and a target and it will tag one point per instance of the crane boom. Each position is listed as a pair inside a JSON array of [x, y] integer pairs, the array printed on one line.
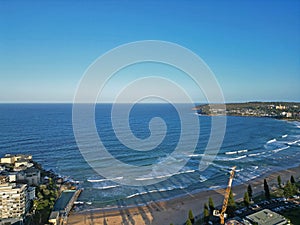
[[226, 197]]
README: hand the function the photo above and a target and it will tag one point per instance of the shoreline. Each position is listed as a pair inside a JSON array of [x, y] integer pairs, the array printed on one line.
[[174, 210]]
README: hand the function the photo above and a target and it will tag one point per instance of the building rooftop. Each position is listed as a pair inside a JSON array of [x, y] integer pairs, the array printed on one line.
[[266, 217]]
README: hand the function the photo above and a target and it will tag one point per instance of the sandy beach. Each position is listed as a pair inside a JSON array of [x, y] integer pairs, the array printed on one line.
[[175, 210]]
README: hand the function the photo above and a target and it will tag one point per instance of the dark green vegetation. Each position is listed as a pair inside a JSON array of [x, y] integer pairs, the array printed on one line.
[[246, 199], [267, 190], [211, 205], [250, 192], [231, 207], [191, 216], [42, 206], [279, 110]]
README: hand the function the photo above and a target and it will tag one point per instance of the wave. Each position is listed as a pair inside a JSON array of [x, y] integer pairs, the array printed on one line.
[[231, 159], [244, 150], [104, 179], [164, 175], [155, 191], [236, 152], [284, 136], [214, 187], [195, 155], [280, 149], [203, 178], [256, 154], [293, 142], [272, 140], [107, 187], [237, 158], [230, 153]]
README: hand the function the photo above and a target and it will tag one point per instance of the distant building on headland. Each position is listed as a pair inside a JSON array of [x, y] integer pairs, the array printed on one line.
[[280, 107]]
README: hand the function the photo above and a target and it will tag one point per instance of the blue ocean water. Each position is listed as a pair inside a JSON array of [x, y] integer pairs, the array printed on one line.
[[254, 145]]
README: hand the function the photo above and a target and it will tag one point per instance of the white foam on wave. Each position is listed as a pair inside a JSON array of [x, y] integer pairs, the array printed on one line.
[[271, 141], [293, 142], [215, 187], [256, 154], [202, 178], [236, 152], [164, 175], [231, 153], [195, 155], [155, 191], [107, 187], [103, 180], [231, 159], [284, 136], [280, 149]]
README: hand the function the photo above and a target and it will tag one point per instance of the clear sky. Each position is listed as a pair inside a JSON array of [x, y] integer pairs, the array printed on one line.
[[253, 47]]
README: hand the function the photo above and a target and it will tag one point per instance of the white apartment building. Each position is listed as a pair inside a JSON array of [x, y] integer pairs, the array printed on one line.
[[12, 200]]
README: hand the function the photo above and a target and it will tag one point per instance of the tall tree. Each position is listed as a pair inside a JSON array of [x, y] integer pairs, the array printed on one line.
[[289, 189], [250, 192], [267, 190], [206, 213], [246, 199], [211, 205], [191, 216], [293, 180], [188, 222], [231, 205], [279, 181]]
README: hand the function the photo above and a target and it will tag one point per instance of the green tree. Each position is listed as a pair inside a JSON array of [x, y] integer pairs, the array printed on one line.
[[188, 222], [293, 180], [289, 189], [250, 192], [206, 213], [211, 205], [279, 181], [246, 199], [191, 216], [231, 206], [267, 190]]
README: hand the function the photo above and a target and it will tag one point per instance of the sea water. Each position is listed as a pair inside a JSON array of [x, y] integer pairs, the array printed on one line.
[[255, 145]]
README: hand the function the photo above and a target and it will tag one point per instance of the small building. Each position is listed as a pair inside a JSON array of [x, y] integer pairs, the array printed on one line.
[[289, 114], [31, 193], [54, 218], [31, 176], [280, 107], [63, 206], [266, 217], [8, 159], [11, 159]]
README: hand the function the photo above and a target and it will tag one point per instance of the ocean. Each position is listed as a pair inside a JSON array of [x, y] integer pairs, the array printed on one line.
[[255, 145]]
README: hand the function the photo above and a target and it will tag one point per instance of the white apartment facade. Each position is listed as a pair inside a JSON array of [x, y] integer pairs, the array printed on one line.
[[12, 200]]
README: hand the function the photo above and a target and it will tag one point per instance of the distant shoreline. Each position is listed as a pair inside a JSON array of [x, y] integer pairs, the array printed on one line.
[[276, 110], [175, 210]]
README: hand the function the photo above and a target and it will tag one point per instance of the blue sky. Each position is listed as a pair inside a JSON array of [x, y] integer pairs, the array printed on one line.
[[253, 47]]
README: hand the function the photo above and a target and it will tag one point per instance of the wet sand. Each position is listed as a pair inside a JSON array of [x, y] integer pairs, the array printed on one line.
[[175, 210]]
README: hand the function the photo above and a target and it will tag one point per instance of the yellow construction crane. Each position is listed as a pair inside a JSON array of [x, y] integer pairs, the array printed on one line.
[[222, 214]]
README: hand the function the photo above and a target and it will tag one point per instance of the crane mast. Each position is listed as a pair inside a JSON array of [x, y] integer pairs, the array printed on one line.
[[226, 197]]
